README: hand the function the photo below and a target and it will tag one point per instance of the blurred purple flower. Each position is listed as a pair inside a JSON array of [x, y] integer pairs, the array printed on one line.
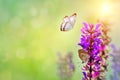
[[66, 66], [105, 28], [115, 62]]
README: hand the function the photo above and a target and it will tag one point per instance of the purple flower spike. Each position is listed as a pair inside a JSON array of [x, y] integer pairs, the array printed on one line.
[[91, 43]]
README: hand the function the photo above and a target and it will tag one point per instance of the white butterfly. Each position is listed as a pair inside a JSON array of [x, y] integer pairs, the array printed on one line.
[[68, 22]]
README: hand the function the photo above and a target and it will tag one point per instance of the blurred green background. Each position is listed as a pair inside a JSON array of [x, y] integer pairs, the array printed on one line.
[[30, 35]]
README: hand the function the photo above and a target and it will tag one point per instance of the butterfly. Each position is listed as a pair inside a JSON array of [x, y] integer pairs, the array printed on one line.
[[68, 22], [83, 55]]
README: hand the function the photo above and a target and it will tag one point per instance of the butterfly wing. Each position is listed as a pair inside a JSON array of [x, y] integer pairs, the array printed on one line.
[[67, 26], [83, 55], [73, 19], [65, 21]]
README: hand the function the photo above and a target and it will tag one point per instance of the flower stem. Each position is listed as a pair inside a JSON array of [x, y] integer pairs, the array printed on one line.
[[90, 68], [90, 50]]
